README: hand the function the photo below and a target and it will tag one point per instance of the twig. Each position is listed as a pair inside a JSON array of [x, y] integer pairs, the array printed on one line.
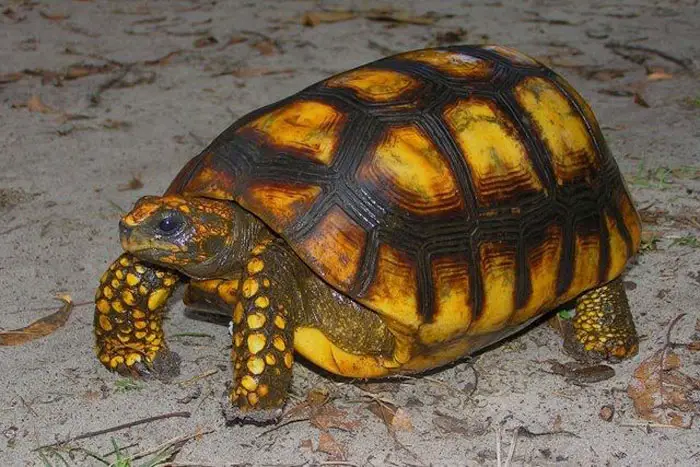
[[123, 426], [683, 63], [513, 442], [178, 440], [198, 377], [280, 425]]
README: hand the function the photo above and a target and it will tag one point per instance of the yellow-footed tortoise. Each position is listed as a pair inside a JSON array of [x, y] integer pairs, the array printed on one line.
[[389, 219]]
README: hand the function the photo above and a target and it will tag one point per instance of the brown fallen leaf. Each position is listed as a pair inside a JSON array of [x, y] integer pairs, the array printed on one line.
[[694, 346], [164, 60], [659, 75], [395, 418], [233, 40], [401, 17], [451, 37], [205, 42], [110, 124], [467, 428], [266, 47], [53, 16], [253, 72], [329, 416], [328, 444], [662, 393], [81, 71], [6, 78], [306, 444], [134, 184], [639, 100], [41, 327], [314, 18], [34, 104]]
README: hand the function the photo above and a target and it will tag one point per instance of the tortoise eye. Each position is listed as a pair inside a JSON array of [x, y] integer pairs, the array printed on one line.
[[170, 224]]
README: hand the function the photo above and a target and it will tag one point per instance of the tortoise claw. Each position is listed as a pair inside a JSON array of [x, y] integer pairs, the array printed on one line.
[[164, 367], [234, 415]]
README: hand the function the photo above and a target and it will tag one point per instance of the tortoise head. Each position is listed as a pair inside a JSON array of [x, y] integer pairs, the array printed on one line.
[[196, 236]]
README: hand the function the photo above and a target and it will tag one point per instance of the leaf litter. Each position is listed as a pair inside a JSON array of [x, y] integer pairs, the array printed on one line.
[[661, 392], [41, 327]]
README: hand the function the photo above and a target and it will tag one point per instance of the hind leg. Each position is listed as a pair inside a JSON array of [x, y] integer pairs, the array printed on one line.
[[602, 328]]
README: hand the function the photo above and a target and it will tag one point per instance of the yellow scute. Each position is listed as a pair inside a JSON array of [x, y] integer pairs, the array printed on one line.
[[561, 127], [394, 290], [452, 63], [334, 247], [498, 265], [316, 347], [408, 165], [374, 85], [279, 203], [453, 308], [586, 260], [543, 261], [617, 250], [497, 159], [311, 127]]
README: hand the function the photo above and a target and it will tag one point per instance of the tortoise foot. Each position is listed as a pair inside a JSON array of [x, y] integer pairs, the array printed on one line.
[[164, 366], [236, 416], [602, 328]]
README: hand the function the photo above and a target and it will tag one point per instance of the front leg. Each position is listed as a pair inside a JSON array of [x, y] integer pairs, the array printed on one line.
[[262, 339], [129, 309]]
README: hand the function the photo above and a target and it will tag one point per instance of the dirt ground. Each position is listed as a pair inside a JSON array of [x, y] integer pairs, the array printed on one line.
[[103, 102]]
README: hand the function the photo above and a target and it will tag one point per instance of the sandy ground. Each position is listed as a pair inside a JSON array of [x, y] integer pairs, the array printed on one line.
[[96, 94]]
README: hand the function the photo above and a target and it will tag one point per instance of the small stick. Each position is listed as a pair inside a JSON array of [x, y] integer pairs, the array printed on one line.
[[198, 377], [123, 426], [683, 63], [513, 442]]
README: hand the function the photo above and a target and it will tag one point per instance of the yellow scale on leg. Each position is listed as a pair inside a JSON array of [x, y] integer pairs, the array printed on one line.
[[262, 340], [129, 308]]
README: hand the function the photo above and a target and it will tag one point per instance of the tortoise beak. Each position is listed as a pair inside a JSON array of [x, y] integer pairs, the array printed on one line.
[[124, 234]]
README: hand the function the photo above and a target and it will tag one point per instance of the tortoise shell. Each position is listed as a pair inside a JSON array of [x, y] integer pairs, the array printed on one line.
[[455, 191]]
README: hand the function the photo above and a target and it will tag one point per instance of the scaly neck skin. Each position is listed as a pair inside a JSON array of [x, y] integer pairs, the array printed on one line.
[[247, 232]]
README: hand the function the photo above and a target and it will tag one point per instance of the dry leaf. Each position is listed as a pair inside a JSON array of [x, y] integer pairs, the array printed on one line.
[[81, 71], [639, 100], [329, 416], [134, 184], [265, 47], [314, 18], [164, 60], [34, 104], [41, 327], [662, 393], [694, 346], [10, 77], [253, 72], [54, 16], [658, 75], [328, 444], [451, 37], [205, 42], [233, 40], [397, 16], [119, 125], [395, 418], [306, 444], [466, 428]]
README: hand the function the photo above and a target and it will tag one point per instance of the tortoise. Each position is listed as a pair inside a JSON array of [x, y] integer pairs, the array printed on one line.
[[387, 220]]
